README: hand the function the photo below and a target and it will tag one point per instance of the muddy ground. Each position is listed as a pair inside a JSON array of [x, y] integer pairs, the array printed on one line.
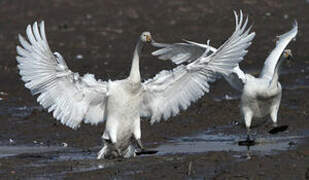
[[104, 33]]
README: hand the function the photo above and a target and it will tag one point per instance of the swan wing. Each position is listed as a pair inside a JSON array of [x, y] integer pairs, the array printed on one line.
[[180, 52], [236, 79], [190, 51], [272, 59], [170, 91], [70, 97]]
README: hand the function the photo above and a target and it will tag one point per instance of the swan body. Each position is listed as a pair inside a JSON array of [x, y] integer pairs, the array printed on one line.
[[259, 100], [260, 96], [74, 99]]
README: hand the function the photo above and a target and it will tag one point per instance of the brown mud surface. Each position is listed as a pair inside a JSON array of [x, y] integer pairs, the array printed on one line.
[[104, 33]]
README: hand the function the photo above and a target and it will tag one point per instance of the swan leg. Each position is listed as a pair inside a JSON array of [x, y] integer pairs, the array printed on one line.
[[119, 154], [110, 134], [248, 118], [130, 152], [109, 150], [137, 134], [248, 135], [103, 152], [273, 115], [139, 144], [137, 138], [109, 140]]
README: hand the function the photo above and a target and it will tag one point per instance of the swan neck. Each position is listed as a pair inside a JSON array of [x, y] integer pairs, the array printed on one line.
[[135, 72], [275, 78]]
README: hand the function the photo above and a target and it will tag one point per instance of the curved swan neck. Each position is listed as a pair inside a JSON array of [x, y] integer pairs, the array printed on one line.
[[274, 80], [135, 75]]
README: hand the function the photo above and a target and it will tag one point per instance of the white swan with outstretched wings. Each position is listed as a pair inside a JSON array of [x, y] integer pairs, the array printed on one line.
[[260, 96], [74, 99]]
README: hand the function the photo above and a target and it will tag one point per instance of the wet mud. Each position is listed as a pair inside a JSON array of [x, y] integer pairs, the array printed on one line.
[[200, 143]]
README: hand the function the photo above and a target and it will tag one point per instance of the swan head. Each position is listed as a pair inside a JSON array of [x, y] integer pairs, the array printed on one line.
[[146, 37], [287, 53]]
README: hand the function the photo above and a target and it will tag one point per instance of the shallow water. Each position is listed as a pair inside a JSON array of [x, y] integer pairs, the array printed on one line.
[[14, 150], [73, 160], [208, 142]]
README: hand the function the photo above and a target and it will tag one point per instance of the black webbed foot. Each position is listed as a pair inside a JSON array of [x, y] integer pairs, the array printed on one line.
[[275, 130], [247, 142], [144, 151]]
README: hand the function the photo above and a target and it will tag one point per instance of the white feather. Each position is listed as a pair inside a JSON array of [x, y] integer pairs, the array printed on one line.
[[272, 59], [70, 97], [170, 91]]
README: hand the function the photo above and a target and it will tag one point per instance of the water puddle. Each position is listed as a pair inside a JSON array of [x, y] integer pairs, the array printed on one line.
[[200, 143], [14, 150], [57, 161], [71, 159], [209, 142]]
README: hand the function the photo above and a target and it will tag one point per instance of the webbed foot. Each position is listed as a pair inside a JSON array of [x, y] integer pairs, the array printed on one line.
[[277, 129], [247, 142], [143, 150]]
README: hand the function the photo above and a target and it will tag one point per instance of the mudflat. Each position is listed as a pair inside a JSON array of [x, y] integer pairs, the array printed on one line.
[[200, 143]]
